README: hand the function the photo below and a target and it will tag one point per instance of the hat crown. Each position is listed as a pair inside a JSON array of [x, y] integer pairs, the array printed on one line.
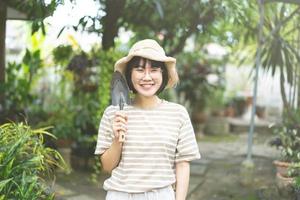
[[147, 44]]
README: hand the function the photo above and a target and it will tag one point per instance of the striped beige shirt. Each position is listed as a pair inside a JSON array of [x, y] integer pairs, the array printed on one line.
[[156, 139]]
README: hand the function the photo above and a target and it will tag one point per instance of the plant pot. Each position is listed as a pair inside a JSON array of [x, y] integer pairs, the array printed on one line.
[[66, 155], [297, 192], [63, 143], [65, 150], [282, 167], [284, 185], [199, 117]]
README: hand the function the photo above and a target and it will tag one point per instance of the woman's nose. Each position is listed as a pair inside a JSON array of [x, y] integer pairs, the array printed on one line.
[[147, 75]]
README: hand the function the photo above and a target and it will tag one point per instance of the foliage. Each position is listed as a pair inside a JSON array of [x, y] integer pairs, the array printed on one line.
[[18, 83], [62, 121], [16, 87], [216, 102], [156, 19], [289, 133], [106, 61], [193, 71], [36, 10], [297, 183], [23, 159], [62, 54], [280, 51]]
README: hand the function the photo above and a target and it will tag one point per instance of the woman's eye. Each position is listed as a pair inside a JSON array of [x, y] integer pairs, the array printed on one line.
[[155, 70], [139, 69]]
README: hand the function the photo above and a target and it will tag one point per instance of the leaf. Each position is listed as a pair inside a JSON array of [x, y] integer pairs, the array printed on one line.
[[3, 183], [43, 28], [27, 57], [60, 32]]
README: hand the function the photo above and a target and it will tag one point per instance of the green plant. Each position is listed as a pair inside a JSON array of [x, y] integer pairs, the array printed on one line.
[[62, 54], [23, 161], [63, 122], [18, 85], [297, 183], [216, 103], [105, 61], [289, 134], [16, 88], [194, 71]]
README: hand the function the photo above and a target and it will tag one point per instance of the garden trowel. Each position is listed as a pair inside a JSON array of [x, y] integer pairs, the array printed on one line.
[[119, 95]]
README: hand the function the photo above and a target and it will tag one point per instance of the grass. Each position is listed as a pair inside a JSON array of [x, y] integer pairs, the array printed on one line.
[[219, 138]]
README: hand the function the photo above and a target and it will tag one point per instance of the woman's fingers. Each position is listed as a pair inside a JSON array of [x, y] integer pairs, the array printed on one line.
[[121, 115], [120, 119], [120, 123], [120, 126]]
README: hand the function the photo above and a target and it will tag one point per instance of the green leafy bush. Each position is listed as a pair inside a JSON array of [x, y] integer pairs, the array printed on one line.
[[289, 134], [297, 183], [18, 85], [23, 161]]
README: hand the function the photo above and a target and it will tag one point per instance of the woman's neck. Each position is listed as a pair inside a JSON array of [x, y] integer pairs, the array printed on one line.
[[146, 102]]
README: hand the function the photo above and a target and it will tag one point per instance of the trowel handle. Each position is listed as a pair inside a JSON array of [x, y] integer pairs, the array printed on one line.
[[121, 133], [121, 136]]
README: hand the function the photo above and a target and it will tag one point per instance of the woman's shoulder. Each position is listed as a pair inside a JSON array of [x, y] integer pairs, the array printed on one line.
[[175, 106], [111, 109]]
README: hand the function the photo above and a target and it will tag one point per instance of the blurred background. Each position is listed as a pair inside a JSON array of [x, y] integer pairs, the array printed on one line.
[[57, 58]]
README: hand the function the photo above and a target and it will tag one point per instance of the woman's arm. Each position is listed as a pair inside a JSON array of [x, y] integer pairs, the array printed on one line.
[[111, 157], [182, 179]]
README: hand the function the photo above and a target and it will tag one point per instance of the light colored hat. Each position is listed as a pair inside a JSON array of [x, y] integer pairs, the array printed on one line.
[[150, 49]]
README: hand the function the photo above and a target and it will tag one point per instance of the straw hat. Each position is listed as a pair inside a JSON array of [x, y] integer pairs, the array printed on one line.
[[150, 49]]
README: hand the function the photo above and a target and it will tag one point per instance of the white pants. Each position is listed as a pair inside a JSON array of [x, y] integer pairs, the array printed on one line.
[[166, 193]]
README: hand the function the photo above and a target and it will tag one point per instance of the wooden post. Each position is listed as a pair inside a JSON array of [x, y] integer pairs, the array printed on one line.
[[3, 14]]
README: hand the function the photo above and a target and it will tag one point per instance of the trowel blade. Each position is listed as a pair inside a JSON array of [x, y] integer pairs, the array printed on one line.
[[119, 90]]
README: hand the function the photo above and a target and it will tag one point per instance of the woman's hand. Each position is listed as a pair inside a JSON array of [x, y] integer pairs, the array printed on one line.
[[120, 124], [111, 157]]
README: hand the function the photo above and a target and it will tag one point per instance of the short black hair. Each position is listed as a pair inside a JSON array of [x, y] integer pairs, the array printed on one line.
[[135, 61]]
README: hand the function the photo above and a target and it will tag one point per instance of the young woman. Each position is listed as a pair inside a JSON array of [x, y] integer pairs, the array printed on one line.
[[160, 141]]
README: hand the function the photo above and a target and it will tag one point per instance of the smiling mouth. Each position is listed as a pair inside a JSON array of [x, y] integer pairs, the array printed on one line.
[[146, 85]]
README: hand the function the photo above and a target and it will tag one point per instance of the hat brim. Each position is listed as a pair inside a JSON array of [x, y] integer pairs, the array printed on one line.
[[170, 62]]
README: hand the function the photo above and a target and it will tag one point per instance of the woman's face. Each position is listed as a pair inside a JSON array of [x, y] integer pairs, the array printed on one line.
[[146, 79]]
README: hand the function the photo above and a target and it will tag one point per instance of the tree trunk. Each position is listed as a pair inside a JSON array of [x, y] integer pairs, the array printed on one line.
[[3, 13], [114, 10], [282, 90]]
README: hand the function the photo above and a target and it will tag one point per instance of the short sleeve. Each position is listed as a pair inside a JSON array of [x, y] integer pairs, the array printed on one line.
[[105, 134], [187, 147]]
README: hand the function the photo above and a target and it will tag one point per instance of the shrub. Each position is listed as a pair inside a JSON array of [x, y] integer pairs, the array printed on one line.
[[23, 161]]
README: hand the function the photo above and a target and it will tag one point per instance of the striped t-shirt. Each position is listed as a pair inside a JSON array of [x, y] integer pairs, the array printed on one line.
[[156, 139]]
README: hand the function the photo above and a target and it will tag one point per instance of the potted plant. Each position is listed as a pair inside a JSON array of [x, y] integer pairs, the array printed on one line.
[[296, 185], [201, 76], [216, 123], [66, 132], [288, 140], [24, 160], [287, 166]]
